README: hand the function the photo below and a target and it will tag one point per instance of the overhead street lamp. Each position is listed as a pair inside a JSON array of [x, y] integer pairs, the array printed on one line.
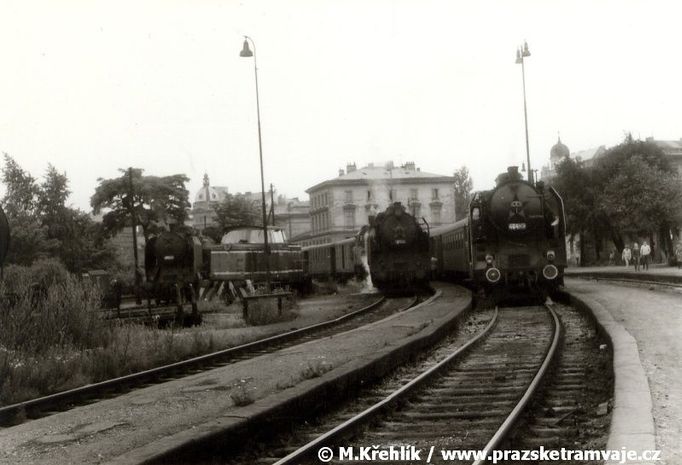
[[521, 53], [247, 53]]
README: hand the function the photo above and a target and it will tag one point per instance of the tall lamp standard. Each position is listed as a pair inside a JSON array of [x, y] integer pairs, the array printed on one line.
[[521, 53], [246, 52]]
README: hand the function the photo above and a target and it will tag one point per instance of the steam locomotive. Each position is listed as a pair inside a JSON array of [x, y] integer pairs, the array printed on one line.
[[398, 250], [393, 248], [513, 238]]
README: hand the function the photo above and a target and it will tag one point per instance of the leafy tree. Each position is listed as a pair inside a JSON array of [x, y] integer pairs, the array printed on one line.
[[642, 199], [237, 210], [153, 200], [21, 188], [29, 237], [44, 226], [463, 187], [630, 191]]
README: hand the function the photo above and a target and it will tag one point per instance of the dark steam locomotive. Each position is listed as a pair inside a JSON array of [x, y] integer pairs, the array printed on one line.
[[513, 238], [172, 261], [393, 248], [398, 250]]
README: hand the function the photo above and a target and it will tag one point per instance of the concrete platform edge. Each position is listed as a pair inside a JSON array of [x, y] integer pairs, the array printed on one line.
[[632, 423], [306, 396]]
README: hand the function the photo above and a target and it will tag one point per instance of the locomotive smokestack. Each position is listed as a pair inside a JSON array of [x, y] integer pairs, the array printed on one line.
[[513, 171]]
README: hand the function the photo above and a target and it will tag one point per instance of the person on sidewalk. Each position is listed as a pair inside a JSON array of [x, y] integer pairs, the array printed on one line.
[[635, 256], [612, 256], [645, 252], [626, 255]]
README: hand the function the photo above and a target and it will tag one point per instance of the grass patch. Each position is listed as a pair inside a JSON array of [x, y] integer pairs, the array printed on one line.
[[265, 311], [316, 368]]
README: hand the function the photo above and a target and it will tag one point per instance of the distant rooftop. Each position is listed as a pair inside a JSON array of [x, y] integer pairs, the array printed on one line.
[[378, 171]]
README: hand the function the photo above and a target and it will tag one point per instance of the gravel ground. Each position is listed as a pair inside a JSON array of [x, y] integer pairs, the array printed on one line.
[[103, 431], [654, 319]]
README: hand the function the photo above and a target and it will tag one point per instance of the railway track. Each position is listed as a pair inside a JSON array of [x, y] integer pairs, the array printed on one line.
[[458, 398], [44, 406]]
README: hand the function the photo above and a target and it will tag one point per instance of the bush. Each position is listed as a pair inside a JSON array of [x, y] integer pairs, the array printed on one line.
[[265, 311]]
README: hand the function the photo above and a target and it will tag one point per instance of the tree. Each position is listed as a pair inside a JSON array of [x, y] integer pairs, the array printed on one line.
[[153, 201], [642, 199], [631, 191], [237, 210], [44, 226], [29, 237], [463, 187]]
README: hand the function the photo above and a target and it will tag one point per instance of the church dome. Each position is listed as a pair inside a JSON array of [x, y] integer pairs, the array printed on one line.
[[209, 193], [559, 151]]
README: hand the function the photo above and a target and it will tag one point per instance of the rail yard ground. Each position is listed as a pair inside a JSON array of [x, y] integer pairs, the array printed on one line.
[[654, 319], [153, 421], [124, 347]]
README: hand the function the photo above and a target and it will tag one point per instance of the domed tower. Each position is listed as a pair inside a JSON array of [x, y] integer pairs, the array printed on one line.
[[559, 152]]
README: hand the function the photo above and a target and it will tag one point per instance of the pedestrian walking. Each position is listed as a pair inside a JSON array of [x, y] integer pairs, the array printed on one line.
[[645, 252], [626, 255], [612, 256], [635, 256]]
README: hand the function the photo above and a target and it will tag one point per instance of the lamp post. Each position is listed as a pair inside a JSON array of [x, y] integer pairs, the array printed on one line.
[[521, 53], [246, 52]]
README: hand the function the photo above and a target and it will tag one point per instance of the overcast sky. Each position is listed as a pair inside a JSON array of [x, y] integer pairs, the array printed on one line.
[[93, 86]]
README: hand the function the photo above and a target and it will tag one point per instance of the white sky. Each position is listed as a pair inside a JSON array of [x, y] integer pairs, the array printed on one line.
[[93, 86]]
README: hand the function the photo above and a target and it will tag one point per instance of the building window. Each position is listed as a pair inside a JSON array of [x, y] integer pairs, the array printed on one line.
[[349, 219], [414, 194], [370, 195], [434, 194], [391, 195], [349, 196], [416, 210], [435, 216]]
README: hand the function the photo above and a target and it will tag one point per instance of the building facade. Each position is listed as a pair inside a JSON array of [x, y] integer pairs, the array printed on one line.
[[339, 207], [292, 215]]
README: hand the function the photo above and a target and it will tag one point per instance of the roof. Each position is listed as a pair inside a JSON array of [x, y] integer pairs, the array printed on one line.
[[668, 146], [589, 154], [387, 172]]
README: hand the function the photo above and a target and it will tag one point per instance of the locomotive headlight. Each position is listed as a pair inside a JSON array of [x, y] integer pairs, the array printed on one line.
[[551, 255], [550, 272], [489, 259], [493, 275]]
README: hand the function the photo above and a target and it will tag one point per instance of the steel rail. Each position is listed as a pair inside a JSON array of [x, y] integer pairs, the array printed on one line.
[[9, 413], [385, 403], [515, 414]]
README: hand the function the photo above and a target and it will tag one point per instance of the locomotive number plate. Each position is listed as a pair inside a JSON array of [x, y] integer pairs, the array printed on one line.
[[400, 241], [169, 257], [517, 226]]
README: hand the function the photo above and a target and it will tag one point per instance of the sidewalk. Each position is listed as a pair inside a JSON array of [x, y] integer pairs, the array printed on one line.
[[657, 269], [654, 320]]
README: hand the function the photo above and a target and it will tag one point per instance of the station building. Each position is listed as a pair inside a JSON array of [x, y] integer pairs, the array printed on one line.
[[339, 207]]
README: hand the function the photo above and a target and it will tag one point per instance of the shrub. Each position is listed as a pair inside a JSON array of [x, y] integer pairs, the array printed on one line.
[[265, 311]]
